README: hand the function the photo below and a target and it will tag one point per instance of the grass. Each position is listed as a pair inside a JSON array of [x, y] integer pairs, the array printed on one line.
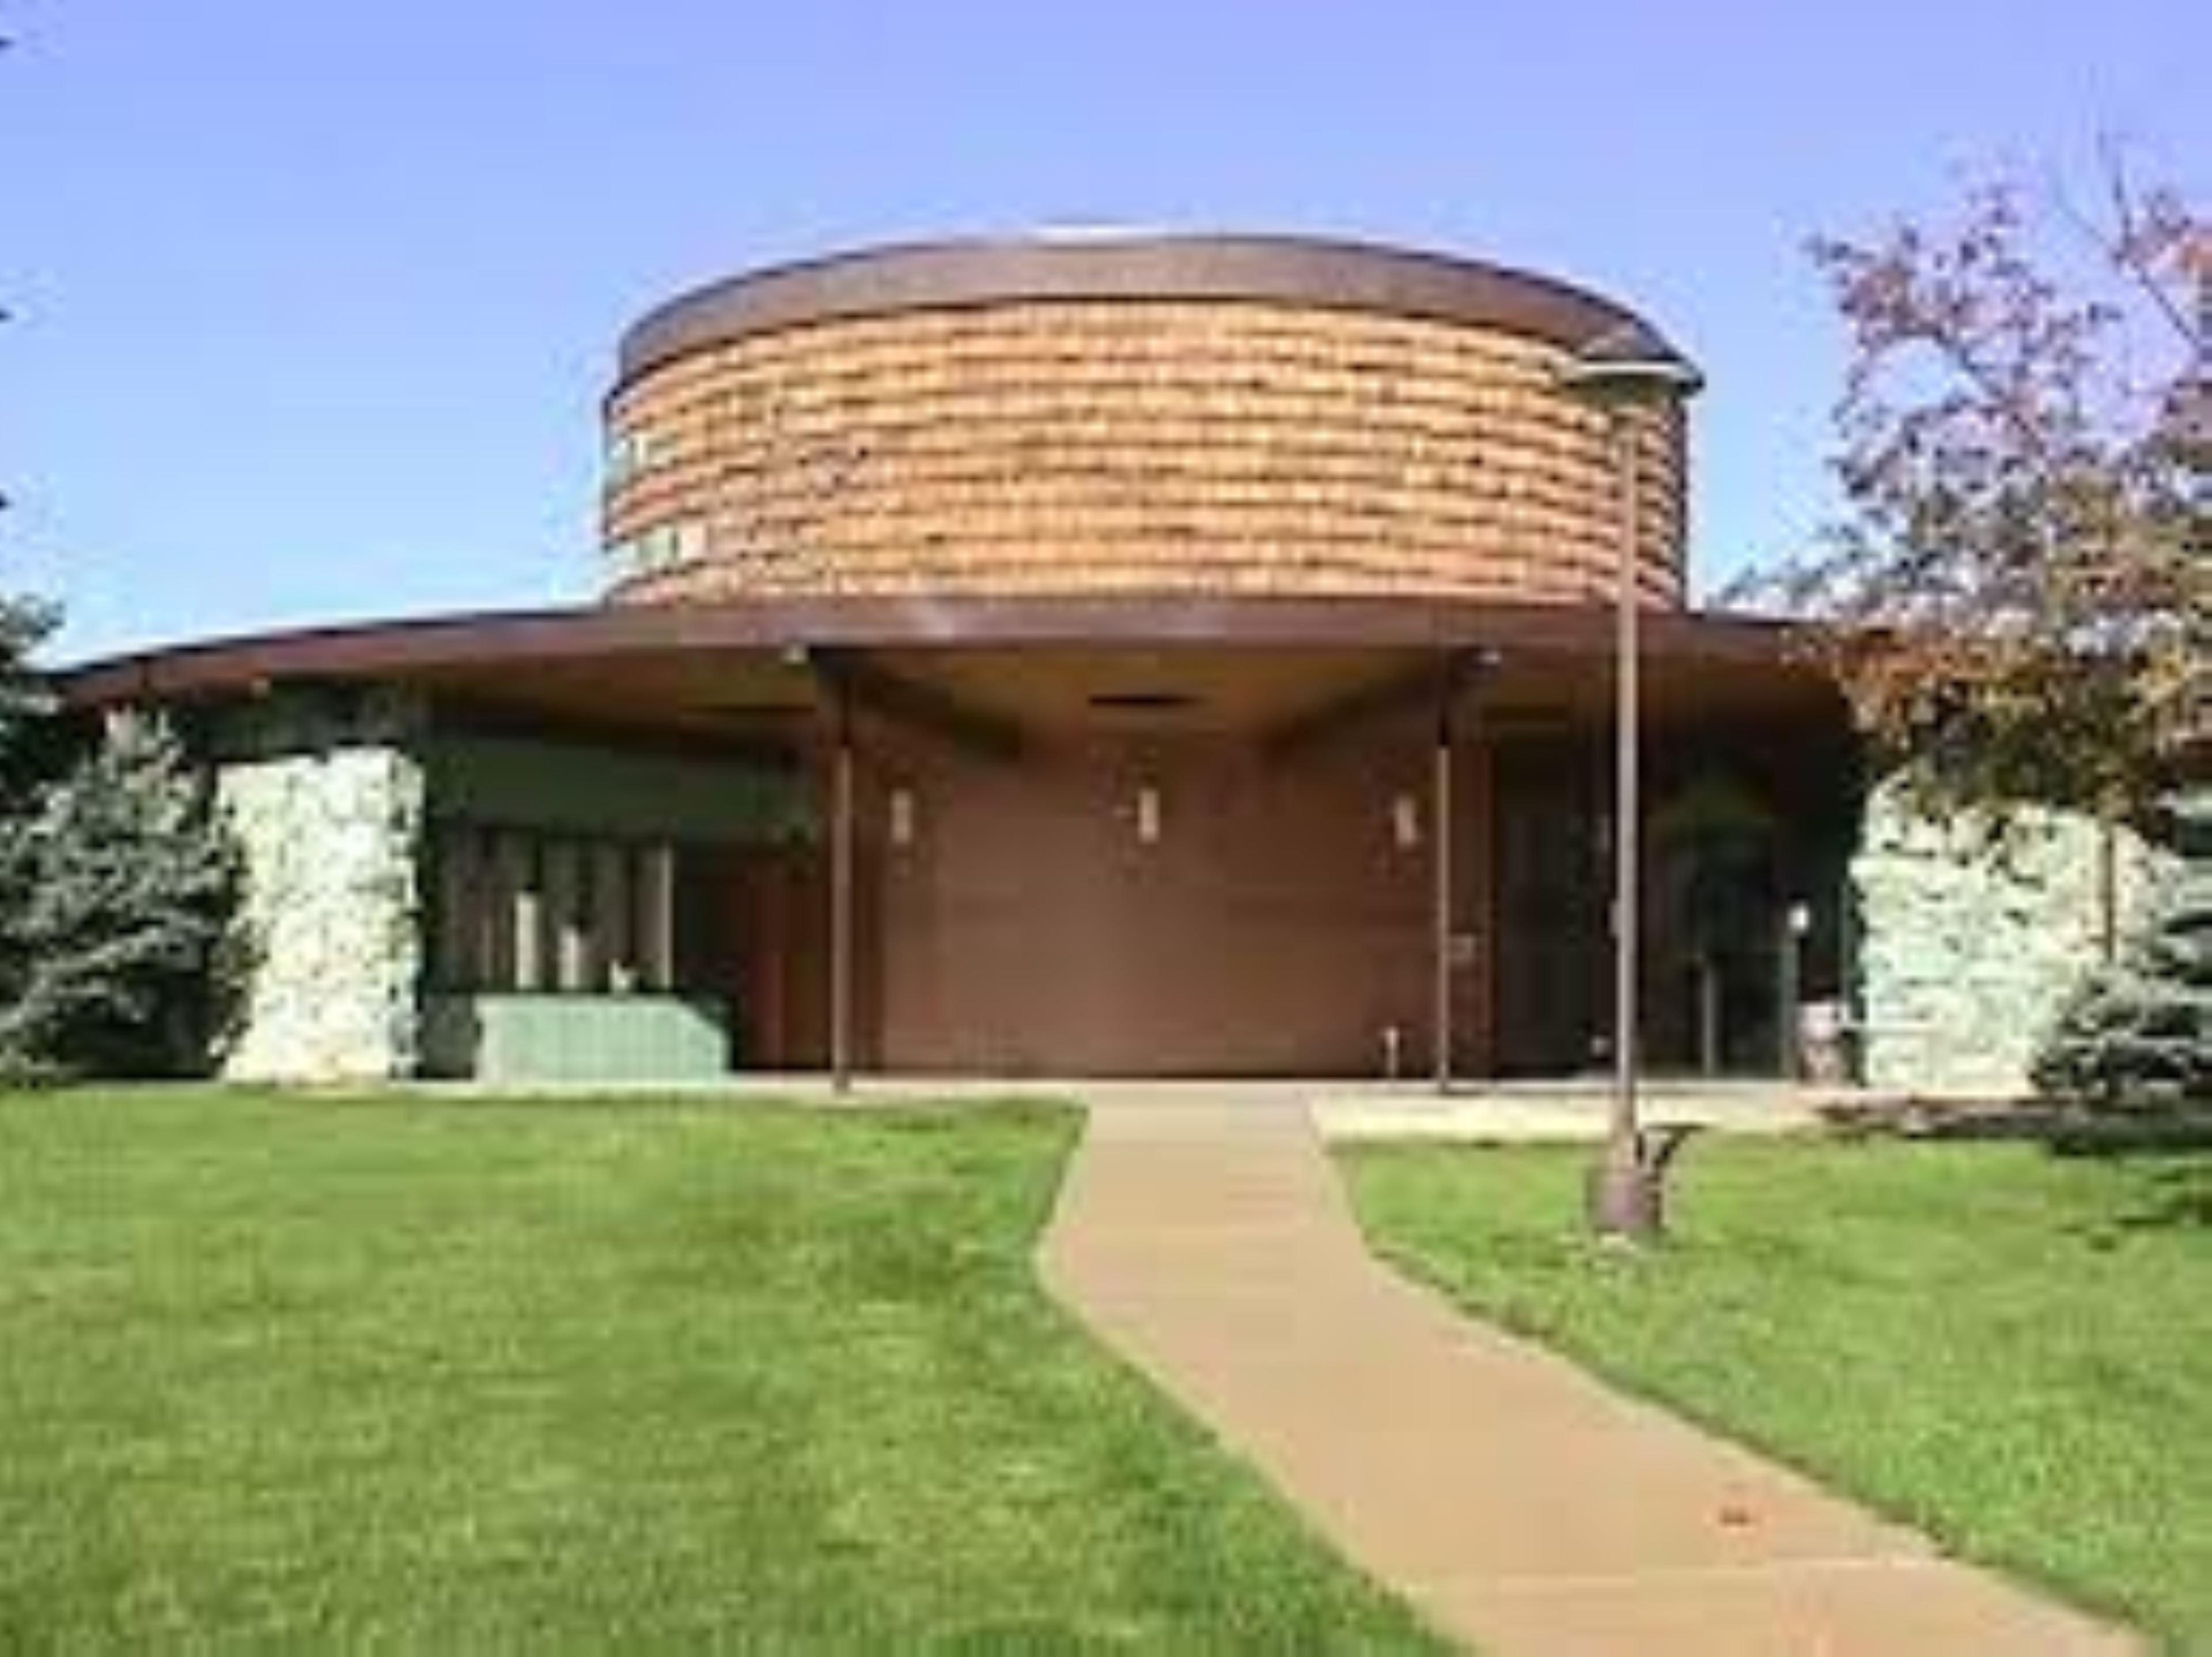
[[2011, 1348], [399, 1373]]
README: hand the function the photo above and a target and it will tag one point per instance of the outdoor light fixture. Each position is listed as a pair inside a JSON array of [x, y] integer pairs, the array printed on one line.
[[1626, 370], [901, 815], [1404, 822], [1148, 814]]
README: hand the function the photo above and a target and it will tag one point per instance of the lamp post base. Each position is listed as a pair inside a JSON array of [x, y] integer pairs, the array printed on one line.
[[1625, 1192]]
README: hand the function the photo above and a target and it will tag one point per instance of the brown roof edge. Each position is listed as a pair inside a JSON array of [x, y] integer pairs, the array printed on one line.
[[398, 651], [1331, 273]]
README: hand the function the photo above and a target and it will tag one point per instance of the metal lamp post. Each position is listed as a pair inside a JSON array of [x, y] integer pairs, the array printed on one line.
[[1625, 370]]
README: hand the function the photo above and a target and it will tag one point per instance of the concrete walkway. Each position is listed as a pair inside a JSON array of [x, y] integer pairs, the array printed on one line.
[[1519, 1503]]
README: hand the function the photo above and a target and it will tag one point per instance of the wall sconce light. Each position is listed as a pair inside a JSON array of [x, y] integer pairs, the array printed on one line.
[[1148, 814], [902, 817], [1404, 822]]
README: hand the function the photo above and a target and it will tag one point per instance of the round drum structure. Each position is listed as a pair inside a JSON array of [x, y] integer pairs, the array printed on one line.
[[1130, 415]]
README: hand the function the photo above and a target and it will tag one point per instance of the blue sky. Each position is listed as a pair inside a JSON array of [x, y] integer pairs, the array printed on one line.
[[314, 304]]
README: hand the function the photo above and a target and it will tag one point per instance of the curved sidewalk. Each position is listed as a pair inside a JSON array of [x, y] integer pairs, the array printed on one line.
[[1520, 1503]]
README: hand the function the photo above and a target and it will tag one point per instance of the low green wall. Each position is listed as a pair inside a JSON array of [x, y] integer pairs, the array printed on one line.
[[550, 1037]]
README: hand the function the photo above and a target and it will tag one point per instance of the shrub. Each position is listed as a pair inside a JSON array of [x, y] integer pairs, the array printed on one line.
[[2140, 1029]]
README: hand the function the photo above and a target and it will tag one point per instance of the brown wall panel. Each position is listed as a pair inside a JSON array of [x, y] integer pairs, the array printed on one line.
[[1275, 927]]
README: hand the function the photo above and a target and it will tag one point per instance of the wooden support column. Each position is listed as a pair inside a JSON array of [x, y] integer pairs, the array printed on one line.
[[1441, 917], [840, 895], [1789, 991]]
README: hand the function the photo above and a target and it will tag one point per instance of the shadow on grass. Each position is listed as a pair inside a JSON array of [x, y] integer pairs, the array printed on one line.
[[461, 1100], [2178, 1197], [2168, 1139], [2066, 1127], [458, 1105]]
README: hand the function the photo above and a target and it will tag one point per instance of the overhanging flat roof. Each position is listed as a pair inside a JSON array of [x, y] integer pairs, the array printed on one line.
[[746, 671], [519, 639]]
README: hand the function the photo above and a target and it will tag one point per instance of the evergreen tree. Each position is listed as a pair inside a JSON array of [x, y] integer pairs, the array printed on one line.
[[24, 701], [2140, 1030], [117, 890]]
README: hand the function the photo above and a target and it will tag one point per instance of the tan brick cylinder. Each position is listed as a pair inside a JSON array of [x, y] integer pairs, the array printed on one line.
[[1151, 442]]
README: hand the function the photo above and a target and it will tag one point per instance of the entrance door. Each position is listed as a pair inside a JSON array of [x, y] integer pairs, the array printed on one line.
[[1551, 887], [775, 909]]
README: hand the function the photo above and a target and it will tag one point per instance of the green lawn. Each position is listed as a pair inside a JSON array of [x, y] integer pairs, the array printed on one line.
[[410, 1374], [2011, 1348]]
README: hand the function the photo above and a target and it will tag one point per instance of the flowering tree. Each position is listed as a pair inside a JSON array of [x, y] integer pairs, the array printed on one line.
[[2024, 577]]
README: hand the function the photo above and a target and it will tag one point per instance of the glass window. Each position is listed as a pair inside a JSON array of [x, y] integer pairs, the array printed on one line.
[[568, 912], [627, 454], [656, 918], [518, 954], [518, 910], [455, 926], [614, 912]]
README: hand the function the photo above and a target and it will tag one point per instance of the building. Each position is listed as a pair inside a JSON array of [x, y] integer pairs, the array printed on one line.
[[1084, 655]]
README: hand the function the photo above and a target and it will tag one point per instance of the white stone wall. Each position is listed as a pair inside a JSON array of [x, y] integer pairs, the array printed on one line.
[[1965, 953], [329, 815]]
